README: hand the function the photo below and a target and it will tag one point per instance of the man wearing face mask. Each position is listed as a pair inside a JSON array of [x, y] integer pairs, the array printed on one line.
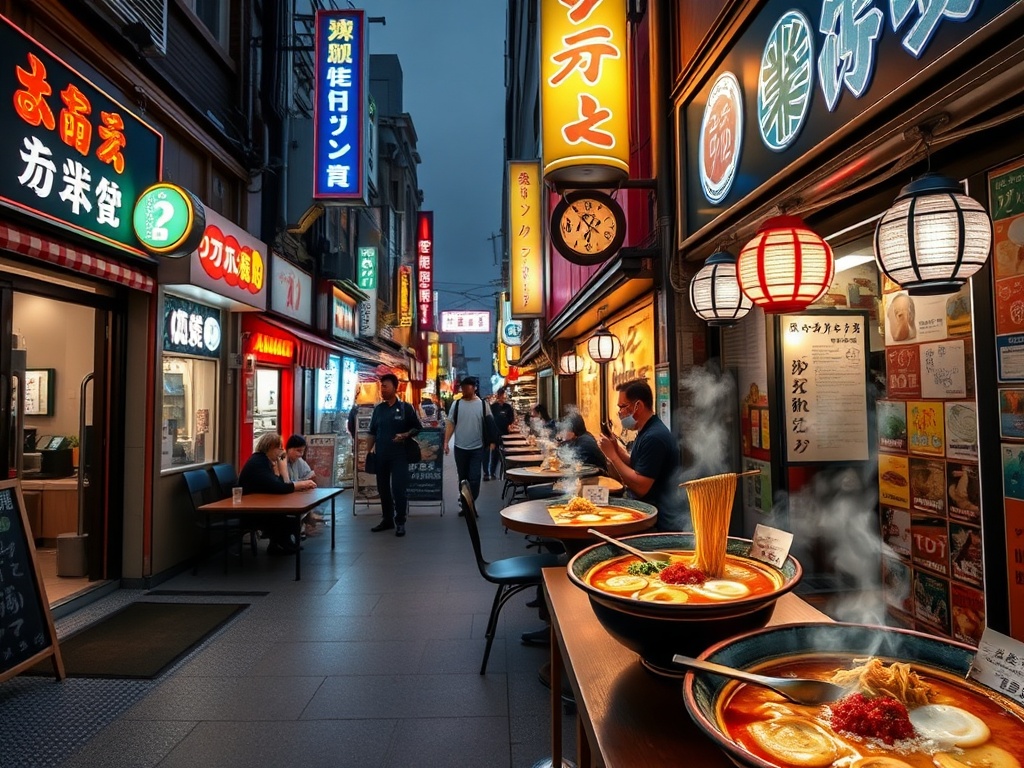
[[649, 470]]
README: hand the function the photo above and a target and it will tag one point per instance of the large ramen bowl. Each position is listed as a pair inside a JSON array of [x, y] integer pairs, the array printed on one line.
[[708, 697], [657, 630]]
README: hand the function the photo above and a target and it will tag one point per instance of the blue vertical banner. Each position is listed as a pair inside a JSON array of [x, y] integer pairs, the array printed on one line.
[[339, 114]]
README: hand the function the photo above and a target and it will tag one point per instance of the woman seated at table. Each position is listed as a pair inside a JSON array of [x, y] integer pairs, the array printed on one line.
[[574, 436], [541, 422], [295, 467], [262, 474]]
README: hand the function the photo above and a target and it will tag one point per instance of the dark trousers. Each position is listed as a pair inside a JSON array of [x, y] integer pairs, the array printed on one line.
[[392, 480], [493, 461], [468, 464]]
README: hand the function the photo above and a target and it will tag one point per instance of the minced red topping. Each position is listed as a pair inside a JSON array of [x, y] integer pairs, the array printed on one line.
[[882, 718], [680, 573]]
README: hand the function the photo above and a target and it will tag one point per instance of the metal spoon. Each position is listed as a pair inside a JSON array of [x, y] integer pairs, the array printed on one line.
[[650, 557], [797, 690]]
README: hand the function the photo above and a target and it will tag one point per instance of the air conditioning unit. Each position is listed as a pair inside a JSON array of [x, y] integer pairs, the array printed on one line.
[[143, 22]]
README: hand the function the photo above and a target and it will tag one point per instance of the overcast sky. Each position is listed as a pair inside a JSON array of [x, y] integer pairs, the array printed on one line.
[[452, 54]]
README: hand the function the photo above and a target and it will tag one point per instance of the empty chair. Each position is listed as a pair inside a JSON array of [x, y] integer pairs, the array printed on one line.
[[227, 478], [518, 489], [200, 489], [511, 575]]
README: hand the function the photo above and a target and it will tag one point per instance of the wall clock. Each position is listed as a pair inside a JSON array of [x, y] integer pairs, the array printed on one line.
[[587, 227]]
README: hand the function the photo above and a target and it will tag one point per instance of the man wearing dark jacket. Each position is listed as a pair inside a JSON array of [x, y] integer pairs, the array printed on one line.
[[504, 417], [392, 424]]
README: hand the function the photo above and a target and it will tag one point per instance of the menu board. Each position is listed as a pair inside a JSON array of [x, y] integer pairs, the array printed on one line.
[[825, 384], [321, 455], [27, 634], [426, 477], [366, 483]]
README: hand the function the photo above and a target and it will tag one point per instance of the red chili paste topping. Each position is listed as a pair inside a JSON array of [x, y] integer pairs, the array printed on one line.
[[679, 573], [881, 718]]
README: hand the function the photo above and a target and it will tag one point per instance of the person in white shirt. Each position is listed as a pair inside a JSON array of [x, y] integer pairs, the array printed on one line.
[[472, 424]]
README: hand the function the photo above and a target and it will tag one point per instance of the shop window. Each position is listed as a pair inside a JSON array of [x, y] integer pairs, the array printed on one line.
[[189, 412], [214, 16]]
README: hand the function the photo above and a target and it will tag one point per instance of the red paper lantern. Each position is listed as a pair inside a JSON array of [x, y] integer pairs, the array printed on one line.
[[786, 267]]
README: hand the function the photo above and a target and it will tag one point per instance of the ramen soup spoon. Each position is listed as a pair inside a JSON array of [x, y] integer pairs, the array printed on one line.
[[650, 557], [797, 690]]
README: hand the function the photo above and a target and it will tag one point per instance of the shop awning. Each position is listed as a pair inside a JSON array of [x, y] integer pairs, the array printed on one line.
[[311, 351], [76, 259]]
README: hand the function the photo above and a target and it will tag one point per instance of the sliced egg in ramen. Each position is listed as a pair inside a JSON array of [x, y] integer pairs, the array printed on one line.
[[795, 741], [587, 517], [723, 589], [623, 583], [663, 595], [949, 726]]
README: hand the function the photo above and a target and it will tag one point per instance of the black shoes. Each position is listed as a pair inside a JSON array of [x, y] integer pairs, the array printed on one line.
[[540, 637], [383, 525], [400, 530]]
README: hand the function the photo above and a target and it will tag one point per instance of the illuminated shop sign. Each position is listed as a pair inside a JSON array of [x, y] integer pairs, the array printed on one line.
[[366, 278], [425, 271], [404, 297], [511, 330], [328, 384], [344, 324], [526, 208], [272, 348], [366, 281], [291, 290], [339, 114], [72, 155], [800, 70], [584, 90], [230, 262], [464, 321], [190, 328], [169, 220]]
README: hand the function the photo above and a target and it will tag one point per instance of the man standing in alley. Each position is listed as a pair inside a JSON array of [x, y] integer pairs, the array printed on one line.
[[393, 423], [649, 470], [504, 417], [475, 433]]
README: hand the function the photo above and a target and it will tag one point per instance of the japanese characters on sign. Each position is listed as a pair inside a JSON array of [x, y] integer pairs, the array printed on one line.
[[802, 68], [74, 156], [425, 271], [366, 279], [291, 290], [191, 328], [826, 412], [339, 118], [584, 90], [404, 297], [268, 348], [230, 262], [526, 267], [466, 321], [344, 324]]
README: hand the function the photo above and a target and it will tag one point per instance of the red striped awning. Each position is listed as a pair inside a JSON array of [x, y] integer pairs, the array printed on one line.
[[77, 259]]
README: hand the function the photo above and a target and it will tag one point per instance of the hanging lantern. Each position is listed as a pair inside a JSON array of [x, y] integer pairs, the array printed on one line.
[[604, 346], [933, 238], [715, 295], [570, 364], [786, 267], [513, 354]]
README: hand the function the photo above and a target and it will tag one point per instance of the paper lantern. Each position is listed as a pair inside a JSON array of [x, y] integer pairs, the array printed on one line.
[[933, 237], [786, 267], [715, 294], [604, 346], [570, 364]]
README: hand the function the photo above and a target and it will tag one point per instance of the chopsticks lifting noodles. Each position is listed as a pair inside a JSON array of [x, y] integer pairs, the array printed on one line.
[[710, 507]]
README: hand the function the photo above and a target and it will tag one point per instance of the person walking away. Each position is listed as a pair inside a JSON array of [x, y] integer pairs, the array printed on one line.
[[504, 418], [261, 474], [474, 430], [392, 424], [649, 470]]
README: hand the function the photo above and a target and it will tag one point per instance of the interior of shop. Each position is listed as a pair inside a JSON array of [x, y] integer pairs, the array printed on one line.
[[266, 416], [54, 353]]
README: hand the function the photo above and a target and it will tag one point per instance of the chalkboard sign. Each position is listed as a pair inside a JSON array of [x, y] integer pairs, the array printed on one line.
[[321, 456], [27, 634], [425, 478]]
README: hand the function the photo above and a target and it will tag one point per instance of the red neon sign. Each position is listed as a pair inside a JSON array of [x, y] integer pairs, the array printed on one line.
[[425, 270], [266, 346]]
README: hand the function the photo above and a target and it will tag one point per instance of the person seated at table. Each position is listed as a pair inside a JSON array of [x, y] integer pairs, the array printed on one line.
[[541, 422], [295, 467], [574, 435], [261, 473]]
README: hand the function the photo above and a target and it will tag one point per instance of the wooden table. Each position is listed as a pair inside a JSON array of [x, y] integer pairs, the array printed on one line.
[[295, 504], [536, 475], [515, 449], [524, 458], [625, 715], [533, 518]]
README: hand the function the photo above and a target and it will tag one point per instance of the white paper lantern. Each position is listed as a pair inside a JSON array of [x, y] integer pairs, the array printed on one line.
[[604, 346], [715, 294], [570, 364]]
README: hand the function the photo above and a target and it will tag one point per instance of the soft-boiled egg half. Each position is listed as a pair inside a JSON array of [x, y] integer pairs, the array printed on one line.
[[949, 726], [723, 589]]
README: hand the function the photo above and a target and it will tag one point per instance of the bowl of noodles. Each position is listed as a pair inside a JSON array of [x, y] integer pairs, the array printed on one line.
[[909, 702]]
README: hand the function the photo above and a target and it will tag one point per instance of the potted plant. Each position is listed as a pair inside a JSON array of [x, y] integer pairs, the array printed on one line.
[[73, 444]]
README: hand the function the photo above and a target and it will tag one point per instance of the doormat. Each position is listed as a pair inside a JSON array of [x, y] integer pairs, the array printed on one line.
[[140, 641]]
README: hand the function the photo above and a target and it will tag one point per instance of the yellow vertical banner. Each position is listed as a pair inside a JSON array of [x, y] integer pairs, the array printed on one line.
[[526, 240], [584, 90]]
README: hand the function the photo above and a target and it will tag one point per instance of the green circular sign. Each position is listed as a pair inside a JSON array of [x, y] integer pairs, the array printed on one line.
[[169, 220]]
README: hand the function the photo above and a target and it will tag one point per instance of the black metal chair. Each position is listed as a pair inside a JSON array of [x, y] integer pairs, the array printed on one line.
[[518, 489], [227, 478], [512, 574], [201, 491]]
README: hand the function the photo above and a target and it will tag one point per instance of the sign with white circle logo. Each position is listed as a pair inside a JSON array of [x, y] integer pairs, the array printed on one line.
[[721, 137], [786, 81], [190, 328]]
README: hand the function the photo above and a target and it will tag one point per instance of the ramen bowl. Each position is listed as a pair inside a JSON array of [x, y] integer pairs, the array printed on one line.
[[720, 707], [656, 630]]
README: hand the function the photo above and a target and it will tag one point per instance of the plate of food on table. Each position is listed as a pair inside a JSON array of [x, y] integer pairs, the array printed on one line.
[[575, 510]]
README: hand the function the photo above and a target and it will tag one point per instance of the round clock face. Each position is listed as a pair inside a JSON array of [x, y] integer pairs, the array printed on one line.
[[588, 227]]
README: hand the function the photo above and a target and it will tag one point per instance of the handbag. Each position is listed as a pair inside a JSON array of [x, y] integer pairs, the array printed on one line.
[[413, 455]]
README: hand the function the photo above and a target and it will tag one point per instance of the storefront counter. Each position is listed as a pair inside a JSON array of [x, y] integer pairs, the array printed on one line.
[[57, 504]]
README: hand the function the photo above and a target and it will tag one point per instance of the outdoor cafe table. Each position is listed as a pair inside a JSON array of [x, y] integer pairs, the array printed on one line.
[[536, 475], [295, 504], [615, 488], [514, 449], [625, 715], [533, 519]]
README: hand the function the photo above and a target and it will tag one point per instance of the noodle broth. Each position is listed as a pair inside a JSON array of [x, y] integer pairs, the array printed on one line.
[[755, 578], [741, 707]]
